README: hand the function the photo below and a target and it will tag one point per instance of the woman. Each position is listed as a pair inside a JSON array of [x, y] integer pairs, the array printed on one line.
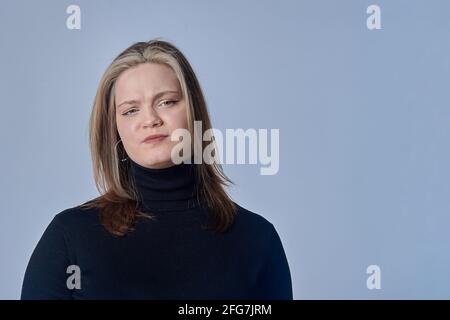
[[159, 230]]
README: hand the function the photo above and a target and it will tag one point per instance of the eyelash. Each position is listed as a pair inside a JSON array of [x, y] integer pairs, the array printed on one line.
[[172, 102]]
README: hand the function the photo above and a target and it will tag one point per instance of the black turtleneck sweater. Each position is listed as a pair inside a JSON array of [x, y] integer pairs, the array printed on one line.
[[170, 257]]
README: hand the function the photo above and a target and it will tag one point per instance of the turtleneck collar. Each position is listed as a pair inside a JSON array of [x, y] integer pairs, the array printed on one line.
[[172, 188]]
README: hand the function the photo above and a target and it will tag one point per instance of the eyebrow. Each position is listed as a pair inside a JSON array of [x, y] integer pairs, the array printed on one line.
[[159, 94]]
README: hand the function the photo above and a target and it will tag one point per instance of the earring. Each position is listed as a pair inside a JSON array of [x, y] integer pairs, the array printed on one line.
[[115, 146]]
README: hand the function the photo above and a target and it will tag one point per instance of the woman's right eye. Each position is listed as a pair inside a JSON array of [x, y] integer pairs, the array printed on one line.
[[129, 112]]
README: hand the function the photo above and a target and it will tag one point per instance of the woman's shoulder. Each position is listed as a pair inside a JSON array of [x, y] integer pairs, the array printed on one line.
[[250, 221], [255, 233], [77, 215]]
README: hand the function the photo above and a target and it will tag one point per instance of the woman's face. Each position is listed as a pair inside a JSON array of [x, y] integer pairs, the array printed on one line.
[[148, 102]]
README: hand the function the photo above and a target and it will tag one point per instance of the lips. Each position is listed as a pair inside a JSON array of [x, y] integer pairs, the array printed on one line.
[[154, 137]]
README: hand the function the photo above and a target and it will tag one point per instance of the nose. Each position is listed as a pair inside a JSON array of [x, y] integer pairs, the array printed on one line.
[[153, 119]]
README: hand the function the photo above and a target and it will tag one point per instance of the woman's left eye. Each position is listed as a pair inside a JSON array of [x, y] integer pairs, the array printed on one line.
[[167, 103]]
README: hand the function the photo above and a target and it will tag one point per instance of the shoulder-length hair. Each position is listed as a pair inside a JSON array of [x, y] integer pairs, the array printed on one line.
[[118, 200]]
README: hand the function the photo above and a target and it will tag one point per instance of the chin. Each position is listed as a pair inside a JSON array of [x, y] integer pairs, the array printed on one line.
[[156, 162]]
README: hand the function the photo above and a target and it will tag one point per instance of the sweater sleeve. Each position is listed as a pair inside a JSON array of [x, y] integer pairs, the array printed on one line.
[[275, 278], [45, 276]]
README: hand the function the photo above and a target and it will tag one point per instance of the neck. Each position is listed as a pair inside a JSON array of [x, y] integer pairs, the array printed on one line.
[[165, 189]]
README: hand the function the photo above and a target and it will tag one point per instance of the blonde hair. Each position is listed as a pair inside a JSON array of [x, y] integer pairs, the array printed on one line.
[[118, 201]]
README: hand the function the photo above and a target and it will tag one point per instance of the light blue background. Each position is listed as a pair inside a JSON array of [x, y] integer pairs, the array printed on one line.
[[363, 118]]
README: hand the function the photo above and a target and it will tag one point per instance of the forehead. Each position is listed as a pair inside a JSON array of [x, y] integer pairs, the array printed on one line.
[[145, 79]]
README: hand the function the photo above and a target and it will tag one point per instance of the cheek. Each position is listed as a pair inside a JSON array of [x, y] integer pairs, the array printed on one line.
[[125, 129], [121, 128], [178, 119]]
